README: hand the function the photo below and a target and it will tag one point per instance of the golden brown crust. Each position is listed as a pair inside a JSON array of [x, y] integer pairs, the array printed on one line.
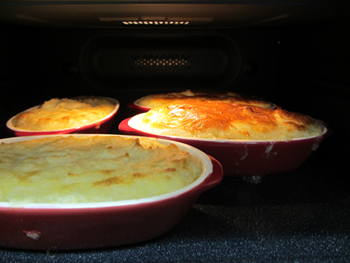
[[57, 114], [92, 169], [216, 120], [157, 100]]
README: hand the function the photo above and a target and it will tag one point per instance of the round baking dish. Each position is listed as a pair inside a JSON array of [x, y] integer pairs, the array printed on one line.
[[102, 224], [252, 159], [102, 126]]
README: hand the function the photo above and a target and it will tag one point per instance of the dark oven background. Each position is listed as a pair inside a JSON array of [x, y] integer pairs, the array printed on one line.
[[301, 215]]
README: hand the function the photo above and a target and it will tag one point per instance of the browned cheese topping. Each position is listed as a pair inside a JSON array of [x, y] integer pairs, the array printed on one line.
[[216, 120], [57, 114], [92, 169], [157, 100]]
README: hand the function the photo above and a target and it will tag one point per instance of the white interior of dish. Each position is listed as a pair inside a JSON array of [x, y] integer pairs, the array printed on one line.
[[10, 125], [137, 103], [136, 119], [204, 159]]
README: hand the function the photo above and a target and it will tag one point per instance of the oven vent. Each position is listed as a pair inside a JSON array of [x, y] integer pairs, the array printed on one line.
[[156, 23], [160, 62]]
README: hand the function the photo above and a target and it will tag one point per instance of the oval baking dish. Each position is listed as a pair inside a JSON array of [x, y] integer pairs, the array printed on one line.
[[103, 224], [245, 158], [102, 126]]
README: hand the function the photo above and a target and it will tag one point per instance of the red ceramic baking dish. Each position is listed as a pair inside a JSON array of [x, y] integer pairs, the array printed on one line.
[[252, 159], [102, 126], [102, 224], [140, 109]]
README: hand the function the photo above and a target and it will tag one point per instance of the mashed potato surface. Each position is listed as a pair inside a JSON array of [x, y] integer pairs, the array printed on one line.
[[57, 114], [156, 100], [92, 169], [226, 121]]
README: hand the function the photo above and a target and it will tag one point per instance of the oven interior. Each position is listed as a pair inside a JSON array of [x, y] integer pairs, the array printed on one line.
[[295, 54]]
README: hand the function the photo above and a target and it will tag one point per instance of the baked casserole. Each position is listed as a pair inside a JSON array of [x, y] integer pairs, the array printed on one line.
[[226, 121], [156, 100], [65, 113], [71, 169]]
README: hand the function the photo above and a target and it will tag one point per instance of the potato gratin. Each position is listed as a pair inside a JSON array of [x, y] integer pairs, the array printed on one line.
[[226, 121], [58, 114], [92, 169], [156, 100]]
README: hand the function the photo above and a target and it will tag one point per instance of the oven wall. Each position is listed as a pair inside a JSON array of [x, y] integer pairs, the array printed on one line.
[[316, 77]]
